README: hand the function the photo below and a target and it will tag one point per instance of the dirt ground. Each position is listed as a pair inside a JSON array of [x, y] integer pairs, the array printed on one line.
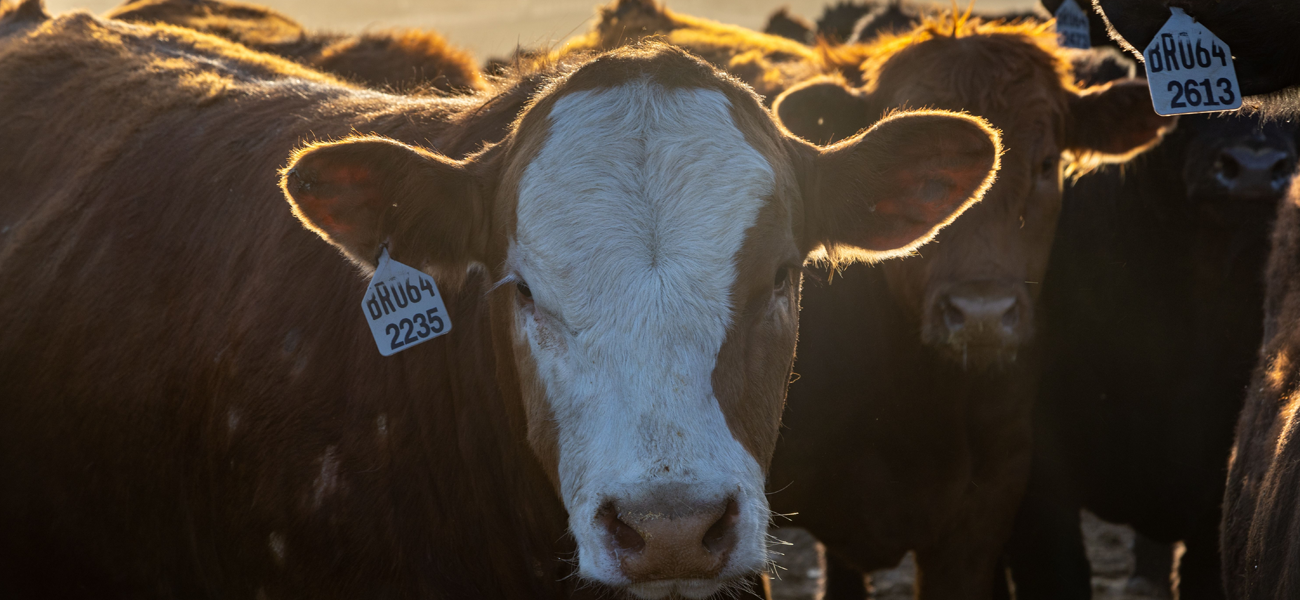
[[1110, 549]]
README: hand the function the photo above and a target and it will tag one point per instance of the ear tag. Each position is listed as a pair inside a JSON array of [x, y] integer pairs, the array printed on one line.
[[403, 307], [1072, 26], [1189, 69]]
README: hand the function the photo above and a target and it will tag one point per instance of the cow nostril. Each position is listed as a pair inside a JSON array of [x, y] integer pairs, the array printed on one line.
[[1281, 169], [1012, 317], [720, 537], [953, 317], [624, 536], [1227, 166]]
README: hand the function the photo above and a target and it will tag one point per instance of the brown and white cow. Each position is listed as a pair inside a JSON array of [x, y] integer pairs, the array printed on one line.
[[410, 60], [194, 407], [909, 427]]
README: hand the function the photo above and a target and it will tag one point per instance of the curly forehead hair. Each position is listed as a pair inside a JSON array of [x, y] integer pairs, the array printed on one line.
[[963, 42]]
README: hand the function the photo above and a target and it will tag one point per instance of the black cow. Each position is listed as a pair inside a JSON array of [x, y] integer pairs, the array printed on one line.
[[1153, 307]]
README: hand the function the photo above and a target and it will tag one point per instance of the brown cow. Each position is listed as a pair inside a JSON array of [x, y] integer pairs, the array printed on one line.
[[400, 59], [909, 427], [194, 407], [768, 63], [1261, 507]]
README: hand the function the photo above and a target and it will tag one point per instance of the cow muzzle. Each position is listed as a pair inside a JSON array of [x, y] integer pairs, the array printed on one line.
[[979, 324], [672, 541], [1254, 170]]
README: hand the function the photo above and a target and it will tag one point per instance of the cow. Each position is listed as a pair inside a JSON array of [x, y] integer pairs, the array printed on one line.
[[409, 60], [195, 405], [909, 427], [1261, 510], [788, 25], [837, 21], [768, 63], [1153, 309]]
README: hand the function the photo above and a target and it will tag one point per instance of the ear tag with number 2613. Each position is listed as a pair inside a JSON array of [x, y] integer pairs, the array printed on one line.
[[1072, 30], [403, 307], [1190, 69]]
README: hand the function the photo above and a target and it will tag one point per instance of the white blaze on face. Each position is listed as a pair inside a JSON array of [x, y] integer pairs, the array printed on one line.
[[630, 219]]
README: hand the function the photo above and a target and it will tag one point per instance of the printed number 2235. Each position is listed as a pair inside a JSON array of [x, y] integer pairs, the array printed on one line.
[[422, 325]]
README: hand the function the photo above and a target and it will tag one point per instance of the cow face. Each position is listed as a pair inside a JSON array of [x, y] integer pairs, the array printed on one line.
[[646, 221], [973, 291]]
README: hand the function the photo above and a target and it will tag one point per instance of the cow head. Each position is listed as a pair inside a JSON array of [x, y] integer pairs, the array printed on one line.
[[973, 291], [647, 220]]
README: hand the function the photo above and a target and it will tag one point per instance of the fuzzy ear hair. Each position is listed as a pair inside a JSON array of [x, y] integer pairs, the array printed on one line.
[[359, 192], [824, 111], [891, 188]]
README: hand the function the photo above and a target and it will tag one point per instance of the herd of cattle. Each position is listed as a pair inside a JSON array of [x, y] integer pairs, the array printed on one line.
[[1013, 291]]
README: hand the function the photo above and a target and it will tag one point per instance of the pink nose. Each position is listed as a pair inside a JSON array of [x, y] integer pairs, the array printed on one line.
[[670, 540]]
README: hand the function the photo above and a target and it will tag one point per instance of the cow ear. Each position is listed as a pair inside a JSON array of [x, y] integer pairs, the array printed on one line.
[[891, 188], [1113, 122], [823, 111], [361, 192]]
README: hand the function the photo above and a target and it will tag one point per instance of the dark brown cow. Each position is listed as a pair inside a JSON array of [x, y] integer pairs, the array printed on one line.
[[402, 59], [909, 427], [1261, 509], [768, 63], [194, 405]]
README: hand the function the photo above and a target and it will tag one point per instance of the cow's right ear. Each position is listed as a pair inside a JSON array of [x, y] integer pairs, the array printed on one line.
[[363, 191], [889, 189], [825, 110]]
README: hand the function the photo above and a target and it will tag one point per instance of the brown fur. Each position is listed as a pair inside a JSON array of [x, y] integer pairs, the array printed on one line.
[[916, 435], [1261, 507], [223, 452], [400, 59], [193, 407]]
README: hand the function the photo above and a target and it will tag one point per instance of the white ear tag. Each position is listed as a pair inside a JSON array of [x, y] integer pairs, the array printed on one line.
[[403, 307], [1189, 69], [1072, 26]]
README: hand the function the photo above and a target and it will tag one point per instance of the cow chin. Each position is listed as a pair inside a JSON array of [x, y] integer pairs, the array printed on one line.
[[973, 353], [677, 588]]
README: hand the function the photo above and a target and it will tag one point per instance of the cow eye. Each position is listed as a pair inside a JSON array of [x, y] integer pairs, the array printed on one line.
[[524, 290], [1049, 164], [782, 279]]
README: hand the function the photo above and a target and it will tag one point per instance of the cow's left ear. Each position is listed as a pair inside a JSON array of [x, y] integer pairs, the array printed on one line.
[[362, 191], [1113, 122]]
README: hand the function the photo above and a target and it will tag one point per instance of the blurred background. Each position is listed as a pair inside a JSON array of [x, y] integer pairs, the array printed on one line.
[[493, 27]]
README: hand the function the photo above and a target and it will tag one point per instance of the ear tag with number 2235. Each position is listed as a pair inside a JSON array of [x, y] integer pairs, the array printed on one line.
[[1189, 69], [403, 307]]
